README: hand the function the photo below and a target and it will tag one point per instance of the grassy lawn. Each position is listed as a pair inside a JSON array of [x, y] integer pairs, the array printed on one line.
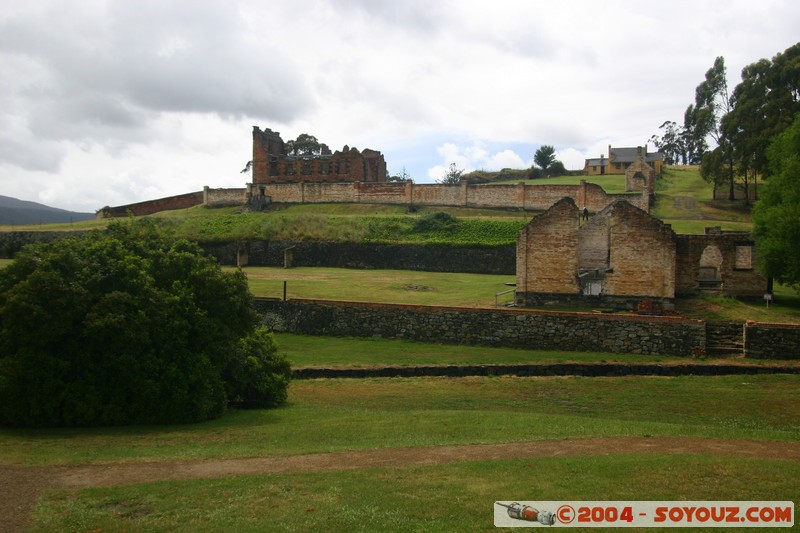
[[455, 497], [474, 290], [356, 414], [684, 200], [612, 184], [386, 286], [337, 352]]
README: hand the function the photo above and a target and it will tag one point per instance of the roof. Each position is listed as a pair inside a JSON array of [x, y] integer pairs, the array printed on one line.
[[629, 155], [597, 162]]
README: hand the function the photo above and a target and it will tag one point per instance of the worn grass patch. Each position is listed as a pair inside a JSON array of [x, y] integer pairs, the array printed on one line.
[[453, 497], [358, 414]]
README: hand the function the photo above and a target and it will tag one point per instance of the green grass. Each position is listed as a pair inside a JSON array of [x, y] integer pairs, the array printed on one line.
[[474, 290], [337, 352], [612, 184], [357, 414], [684, 200], [348, 223], [455, 497], [386, 286]]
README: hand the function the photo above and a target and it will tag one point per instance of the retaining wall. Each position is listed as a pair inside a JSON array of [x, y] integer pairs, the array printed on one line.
[[149, 207], [519, 196], [427, 257], [490, 327], [772, 341]]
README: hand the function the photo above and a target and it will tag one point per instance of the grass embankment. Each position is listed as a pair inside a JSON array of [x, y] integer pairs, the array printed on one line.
[[476, 290], [612, 184], [456, 497], [336, 352], [339, 415], [358, 414], [685, 200], [473, 290]]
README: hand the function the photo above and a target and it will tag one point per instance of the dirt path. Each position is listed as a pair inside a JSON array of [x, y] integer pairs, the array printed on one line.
[[22, 487]]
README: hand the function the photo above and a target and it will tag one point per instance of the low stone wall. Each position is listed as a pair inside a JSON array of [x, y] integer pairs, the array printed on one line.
[[772, 341], [489, 327], [544, 369], [429, 257]]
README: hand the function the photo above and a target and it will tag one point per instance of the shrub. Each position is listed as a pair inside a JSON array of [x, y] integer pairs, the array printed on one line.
[[128, 326]]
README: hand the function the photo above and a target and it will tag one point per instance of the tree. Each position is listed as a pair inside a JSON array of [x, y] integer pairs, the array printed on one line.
[[403, 177], [776, 216], [712, 102], [453, 175], [544, 157], [672, 143], [131, 326], [305, 144]]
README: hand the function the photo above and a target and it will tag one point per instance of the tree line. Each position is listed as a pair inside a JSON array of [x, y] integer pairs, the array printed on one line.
[[728, 132]]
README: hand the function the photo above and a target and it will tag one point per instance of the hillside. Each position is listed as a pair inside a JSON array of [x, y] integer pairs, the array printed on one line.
[[683, 200], [20, 212]]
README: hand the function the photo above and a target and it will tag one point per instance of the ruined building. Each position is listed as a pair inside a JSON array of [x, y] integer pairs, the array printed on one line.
[[272, 163], [622, 256]]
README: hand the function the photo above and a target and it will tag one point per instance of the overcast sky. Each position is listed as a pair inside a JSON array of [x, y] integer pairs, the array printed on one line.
[[112, 102]]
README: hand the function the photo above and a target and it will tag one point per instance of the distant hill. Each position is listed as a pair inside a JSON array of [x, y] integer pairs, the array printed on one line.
[[20, 212]]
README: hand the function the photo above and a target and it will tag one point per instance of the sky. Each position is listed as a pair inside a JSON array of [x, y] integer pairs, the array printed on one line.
[[108, 102]]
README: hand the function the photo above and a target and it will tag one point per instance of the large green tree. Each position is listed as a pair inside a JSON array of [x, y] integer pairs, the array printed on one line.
[[776, 216], [712, 102], [544, 157], [128, 326]]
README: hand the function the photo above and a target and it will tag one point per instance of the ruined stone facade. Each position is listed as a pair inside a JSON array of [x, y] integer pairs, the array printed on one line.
[[273, 164], [622, 256]]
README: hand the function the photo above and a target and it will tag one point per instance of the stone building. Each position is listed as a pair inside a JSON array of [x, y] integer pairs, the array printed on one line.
[[622, 256], [272, 163], [619, 159]]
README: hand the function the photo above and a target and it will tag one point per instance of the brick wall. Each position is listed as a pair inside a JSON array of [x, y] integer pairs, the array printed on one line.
[[520, 196], [735, 278], [500, 327], [149, 207], [223, 197], [642, 253], [547, 252]]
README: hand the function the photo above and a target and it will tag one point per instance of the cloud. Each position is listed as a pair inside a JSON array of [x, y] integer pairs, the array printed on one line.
[[110, 101], [474, 157]]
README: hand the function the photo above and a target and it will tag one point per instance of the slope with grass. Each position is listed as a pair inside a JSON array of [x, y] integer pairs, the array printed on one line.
[[423, 445]]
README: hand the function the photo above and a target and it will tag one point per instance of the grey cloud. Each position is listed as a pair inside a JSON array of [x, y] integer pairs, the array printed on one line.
[[109, 73]]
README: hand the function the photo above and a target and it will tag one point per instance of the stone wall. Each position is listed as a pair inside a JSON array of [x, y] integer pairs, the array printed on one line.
[[149, 207], [772, 341], [427, 257], [489, 327], [709, 263], [547, 252], [519, 196], [224, 197]]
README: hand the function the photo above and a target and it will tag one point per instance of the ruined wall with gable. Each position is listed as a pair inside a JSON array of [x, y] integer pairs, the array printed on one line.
[[547, 252], [642, 252]]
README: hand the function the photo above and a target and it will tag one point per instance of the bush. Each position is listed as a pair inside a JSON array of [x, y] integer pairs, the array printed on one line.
[[435, 222], [128, 326]]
